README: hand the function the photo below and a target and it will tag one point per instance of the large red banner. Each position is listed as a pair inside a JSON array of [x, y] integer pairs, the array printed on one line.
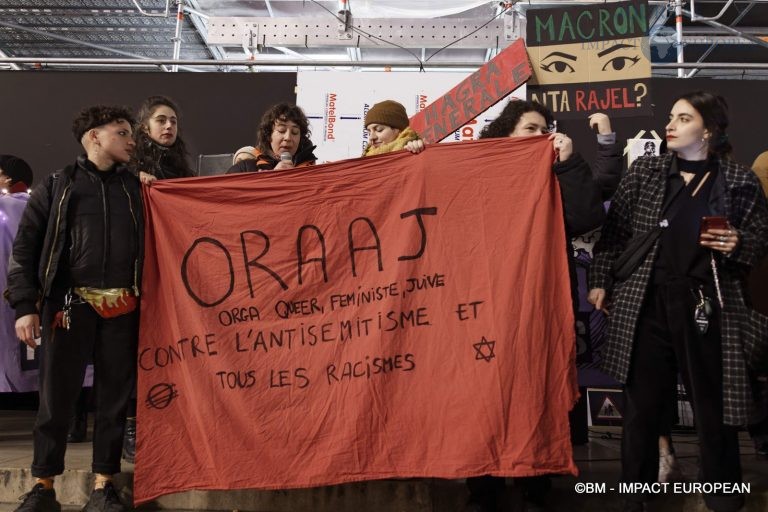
[[395, 316]]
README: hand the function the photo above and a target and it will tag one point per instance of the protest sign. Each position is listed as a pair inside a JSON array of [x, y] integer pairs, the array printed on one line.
[[475, 94], [591, 58]]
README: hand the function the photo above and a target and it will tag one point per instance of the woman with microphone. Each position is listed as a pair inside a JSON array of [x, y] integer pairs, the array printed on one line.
[[283, 142]]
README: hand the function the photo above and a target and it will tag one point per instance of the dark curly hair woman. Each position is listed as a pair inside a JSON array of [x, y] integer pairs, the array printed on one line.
[[160, 150], [283, 141]]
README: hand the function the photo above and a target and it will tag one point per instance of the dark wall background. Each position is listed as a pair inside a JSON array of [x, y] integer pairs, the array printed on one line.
[[220, 111], [746, 101]]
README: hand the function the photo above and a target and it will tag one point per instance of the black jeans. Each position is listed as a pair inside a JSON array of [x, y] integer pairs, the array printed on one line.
[[667, 342], [111, 344]]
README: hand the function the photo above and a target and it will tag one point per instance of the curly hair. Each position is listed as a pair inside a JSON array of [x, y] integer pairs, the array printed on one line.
[[99, 115], [149, 153], [714, 111], [280, 112], [505, 124]]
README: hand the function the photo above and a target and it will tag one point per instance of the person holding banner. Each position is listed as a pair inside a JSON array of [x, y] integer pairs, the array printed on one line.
[[283, 142], [74, 275], [388, 130], [160, 154], [682, 232], [582, 197], [160, 150], [582, 193]]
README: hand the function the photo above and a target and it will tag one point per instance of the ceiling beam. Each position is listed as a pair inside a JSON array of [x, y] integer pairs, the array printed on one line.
[[77, 42], [306, 32], [12, 65], [341, 63], [199, 21]]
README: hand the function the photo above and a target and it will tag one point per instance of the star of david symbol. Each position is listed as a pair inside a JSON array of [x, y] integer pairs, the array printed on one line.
[[484, 349]]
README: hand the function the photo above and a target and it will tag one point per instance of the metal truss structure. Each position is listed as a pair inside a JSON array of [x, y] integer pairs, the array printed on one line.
[[725, 38]]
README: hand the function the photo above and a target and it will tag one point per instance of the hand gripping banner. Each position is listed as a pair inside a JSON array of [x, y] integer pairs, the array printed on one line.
[[389, 317]]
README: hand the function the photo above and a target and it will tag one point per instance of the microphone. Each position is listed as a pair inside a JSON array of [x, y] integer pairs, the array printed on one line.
[[285, 156]]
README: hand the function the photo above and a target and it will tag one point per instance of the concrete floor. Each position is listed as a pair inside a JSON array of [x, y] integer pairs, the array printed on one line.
[[598, 461]]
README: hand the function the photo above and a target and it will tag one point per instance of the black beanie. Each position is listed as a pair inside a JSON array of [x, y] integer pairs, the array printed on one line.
[[16, 169]]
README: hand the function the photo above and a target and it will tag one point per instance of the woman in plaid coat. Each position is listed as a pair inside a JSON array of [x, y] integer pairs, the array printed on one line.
[[682, 309]]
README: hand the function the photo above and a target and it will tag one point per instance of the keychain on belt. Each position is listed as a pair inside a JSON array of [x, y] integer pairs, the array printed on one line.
[[66, 317], [702, 312]]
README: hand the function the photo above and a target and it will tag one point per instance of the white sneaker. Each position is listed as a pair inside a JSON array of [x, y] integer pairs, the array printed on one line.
[[669, 469]]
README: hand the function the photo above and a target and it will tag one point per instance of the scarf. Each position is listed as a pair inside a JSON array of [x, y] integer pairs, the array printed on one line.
[[403, 138]]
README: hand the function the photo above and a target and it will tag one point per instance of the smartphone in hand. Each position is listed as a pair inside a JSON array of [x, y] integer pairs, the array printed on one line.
[[713, 222]]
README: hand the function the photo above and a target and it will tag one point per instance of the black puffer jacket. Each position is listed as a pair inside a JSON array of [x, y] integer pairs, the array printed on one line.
[[77, 230]]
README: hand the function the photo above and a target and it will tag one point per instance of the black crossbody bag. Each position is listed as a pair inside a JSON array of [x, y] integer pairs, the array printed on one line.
[[640, 245]]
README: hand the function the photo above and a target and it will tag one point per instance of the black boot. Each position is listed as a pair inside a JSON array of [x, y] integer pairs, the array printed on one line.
[[105, 500], [39, 499], [129, 440]]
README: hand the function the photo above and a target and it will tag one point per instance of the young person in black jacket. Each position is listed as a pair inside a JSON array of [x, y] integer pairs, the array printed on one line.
[[74, 276]]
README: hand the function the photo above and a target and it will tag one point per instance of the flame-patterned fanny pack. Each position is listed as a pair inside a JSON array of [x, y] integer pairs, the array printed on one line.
[[109, 302]]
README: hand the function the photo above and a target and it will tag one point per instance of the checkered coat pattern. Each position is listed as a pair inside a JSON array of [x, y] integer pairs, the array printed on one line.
[[635, 209]]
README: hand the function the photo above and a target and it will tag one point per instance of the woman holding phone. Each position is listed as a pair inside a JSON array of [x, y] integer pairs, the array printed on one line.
[[679, 306]]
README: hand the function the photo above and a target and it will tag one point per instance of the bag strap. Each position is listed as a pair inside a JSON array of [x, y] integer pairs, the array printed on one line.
[[670, 208], [639, 245]]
